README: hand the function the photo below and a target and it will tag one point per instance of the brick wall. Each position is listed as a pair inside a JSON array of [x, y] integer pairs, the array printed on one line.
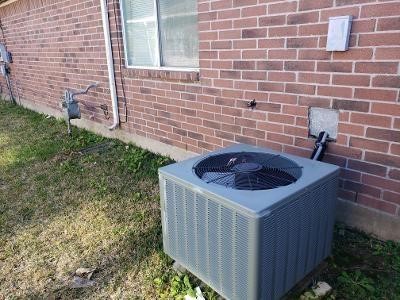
[[268, 50]]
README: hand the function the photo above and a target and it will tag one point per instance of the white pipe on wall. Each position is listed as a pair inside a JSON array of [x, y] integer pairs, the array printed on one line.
[[110, 64]]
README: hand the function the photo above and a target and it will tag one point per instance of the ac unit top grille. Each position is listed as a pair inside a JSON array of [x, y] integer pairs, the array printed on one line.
[[248, 170]]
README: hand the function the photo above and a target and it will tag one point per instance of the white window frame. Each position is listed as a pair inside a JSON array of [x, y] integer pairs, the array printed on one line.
[[159, 46]]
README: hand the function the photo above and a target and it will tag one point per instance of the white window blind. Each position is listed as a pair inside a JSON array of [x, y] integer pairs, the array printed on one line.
[[160, 33]]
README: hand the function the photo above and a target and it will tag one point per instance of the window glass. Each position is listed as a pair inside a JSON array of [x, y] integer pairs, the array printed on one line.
[[161, 33], [140, 25], [178, 33]]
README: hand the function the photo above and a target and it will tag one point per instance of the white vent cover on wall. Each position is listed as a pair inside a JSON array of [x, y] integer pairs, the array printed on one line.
[[339, 33]]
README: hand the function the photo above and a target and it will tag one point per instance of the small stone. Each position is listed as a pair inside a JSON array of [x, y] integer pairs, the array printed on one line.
[[321, 289], [78, 282]]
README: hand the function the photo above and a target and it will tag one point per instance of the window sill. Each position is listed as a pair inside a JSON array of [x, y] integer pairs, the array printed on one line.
[[171, 74]]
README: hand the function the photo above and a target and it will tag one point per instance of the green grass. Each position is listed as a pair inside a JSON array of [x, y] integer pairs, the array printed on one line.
[[61, 210]]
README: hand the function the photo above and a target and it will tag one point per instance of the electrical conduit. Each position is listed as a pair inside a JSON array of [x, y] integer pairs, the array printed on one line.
[[110, 64]]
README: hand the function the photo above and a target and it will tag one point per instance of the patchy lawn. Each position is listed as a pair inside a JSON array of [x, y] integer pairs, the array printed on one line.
[[88, 201]]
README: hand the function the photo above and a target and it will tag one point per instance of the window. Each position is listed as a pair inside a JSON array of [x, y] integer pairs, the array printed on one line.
[[160, 33]]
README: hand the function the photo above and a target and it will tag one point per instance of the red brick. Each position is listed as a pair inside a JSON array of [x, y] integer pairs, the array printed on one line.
[[245, 22], [272, 21], [310, 54], [276, 8], [367, 167], [379, 158], [392, 197], [389, 24], [376, 67], [268, 126], [224, 135], [223, 24], [383, 134], [344, 151], [325, 14], [362, 188], [311, 5], [229, 34], [377, 204], [351, 129], [228, 14], [380, 10], [245, 139], [313, 29], [350, 2], [282, 31], [230, 74], [254, 75], [250, 132], [299, 65], [254, 33], [271, 86], [387, 53], [271, 43], [245, 85], [372, 120], [279, 118], [351, 80], [255, 54], [314, 102], [375, 94], [282, 76], [363, 26], [334, 159], [386, 81], [296, 131], [270, 65], [334, 91], [244, 65], [386, 109], [258, 10], [265, 106], [245, 122], [395, 149], [282, 54], [283, 98], [350, 175], [354, 54], [231, 111], [347, 195], [303, 42], [394, 174], [379, 39], [303, 18], [300, 89], [237, 3], [344, 67], [280, 138], [314, 78], [295, 110], [396, 123], [221, 4], [380, 182]]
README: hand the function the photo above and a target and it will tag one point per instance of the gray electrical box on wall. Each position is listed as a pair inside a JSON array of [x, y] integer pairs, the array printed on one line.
[[339, 33]]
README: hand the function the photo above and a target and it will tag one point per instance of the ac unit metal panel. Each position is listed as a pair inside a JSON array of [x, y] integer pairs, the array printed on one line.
[[243, 253], [211, 240]]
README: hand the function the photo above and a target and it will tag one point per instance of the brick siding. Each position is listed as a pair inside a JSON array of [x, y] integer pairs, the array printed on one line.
[[268, 50]]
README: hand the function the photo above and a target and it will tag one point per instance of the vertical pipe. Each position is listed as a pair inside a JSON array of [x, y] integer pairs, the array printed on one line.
[[110, 63]]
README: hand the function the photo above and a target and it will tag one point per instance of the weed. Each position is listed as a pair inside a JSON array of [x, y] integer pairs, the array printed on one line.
[[356, 284]]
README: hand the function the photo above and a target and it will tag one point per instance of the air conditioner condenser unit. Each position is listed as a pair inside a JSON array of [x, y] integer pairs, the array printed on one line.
[[247, 221]]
